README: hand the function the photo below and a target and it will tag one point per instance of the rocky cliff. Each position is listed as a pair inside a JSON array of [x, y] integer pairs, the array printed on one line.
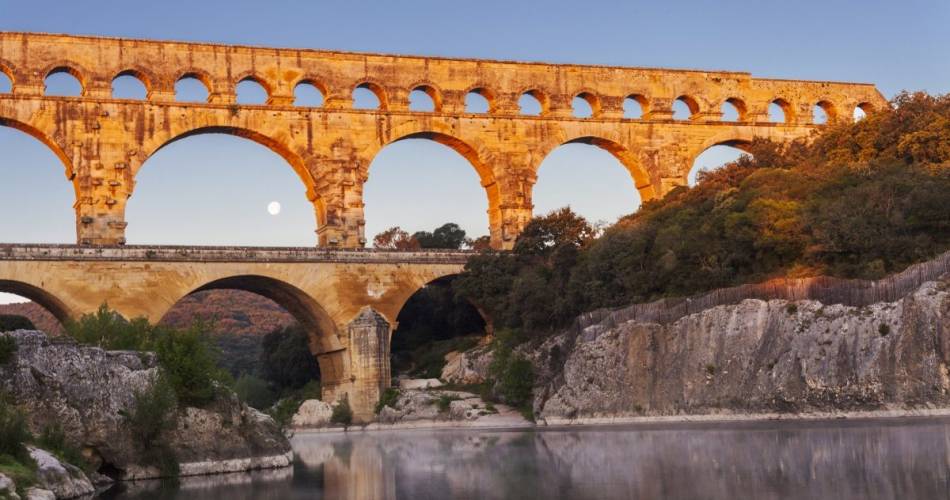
[[753, 357], [88, 391]]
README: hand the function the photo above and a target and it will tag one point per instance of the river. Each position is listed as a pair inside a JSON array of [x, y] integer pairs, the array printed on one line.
[[840, 459]]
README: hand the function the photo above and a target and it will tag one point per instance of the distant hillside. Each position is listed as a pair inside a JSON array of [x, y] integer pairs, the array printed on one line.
[[233, 312]]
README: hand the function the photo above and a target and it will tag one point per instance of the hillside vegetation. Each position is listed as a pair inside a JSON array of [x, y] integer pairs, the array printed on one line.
[[861, 200]]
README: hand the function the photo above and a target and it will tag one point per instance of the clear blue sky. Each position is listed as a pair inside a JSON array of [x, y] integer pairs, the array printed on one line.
[[897, 45]]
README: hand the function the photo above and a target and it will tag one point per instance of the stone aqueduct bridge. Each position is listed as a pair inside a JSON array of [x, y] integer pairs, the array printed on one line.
[[348, 300], [103, 142]]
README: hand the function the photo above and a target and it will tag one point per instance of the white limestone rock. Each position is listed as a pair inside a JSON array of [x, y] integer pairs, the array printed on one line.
[[410, 384], [312, 413], [64, 480]]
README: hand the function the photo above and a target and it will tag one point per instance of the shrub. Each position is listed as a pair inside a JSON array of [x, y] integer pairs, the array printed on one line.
[[389, 398], [189, 360], [445, 402], [53, 439], [791, 308], [711, 369], [152, 414], [883, 329], [342, 414], [517, 382], [14, 432], [109, 330], [284, 410], [254, 391], [10, 322], [7, 349], [286, 360]]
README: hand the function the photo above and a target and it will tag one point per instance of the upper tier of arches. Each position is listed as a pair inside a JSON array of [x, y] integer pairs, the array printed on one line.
[[448, 84]]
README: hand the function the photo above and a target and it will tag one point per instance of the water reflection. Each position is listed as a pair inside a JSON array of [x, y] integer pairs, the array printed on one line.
[[842, 460]]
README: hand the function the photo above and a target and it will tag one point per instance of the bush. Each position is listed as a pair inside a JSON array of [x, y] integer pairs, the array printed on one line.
[[189, 360], [152, 414], [389, 398], [517, 382], [286, 360], [109, 330], [254, 391], [8, 349], [14, 433], [10, 322], [53, 439], [342, 414], [883, 329], [445, 402]]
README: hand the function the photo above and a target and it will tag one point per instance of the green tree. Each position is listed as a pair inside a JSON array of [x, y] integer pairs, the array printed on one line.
[[395, 238], [10, 322], [286, 360], [447, 236]]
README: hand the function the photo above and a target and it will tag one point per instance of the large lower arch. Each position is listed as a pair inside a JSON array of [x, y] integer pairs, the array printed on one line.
[[324, 340], [475, 158], [641, 178], [47, 300], [716, 153]]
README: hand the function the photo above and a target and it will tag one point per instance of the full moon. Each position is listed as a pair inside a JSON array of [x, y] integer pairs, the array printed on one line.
[[273, 208]]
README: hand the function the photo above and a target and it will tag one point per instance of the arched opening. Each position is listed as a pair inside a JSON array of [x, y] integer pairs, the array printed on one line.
[[6, 81], [33, 185], [532, 103], [685, 107], [129, 85], [715, 157], [220, 186], [307, 94], [271, 335], [63, 82], [41, 310], [425, 99], [635, 107], [589, 176], [192, 87], [822, 112], [451, 193], [251, 91], [861, 111], [780, 111], [368, 95], [478, 101], [733, 110], [586, 105], [433, 323]]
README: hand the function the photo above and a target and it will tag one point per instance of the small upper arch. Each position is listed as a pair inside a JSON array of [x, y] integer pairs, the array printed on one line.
[[250, 76], [198, 74], [306, 90], [483, 92], [7, 70], [828, 108], [544, 102], [314, 82], [377, 89], [72, 69], [786, 115], [592, 100], [692, 106], [636, 106], [738, 105], [145, 78], [431, 90]]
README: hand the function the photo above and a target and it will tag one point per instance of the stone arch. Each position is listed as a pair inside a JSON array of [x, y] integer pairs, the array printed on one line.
[[486, 92], [377, 89], [146, 77], [7, 70], [830, 110], [786, 107], [541, 96], [641, 177], [642, 101], [691, 103], [44, 298], [315, 82], [251, 76], [445, 136], [593, 100], [295, 161], [736, 139], [70, 68], [198, 74], [322, 330], [443, 279], [49, 142], [741, 108], [431, 90]]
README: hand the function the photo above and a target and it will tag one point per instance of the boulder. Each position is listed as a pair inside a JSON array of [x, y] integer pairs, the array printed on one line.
[[88, 390], [419, 383], [469, 367], [39, 494], [8, 488], [312, 413], [63, 479]]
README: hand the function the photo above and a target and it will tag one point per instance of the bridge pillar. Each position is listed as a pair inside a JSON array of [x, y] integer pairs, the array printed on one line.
[[511, 209], [339, 190], [102, 162], [369, 335]]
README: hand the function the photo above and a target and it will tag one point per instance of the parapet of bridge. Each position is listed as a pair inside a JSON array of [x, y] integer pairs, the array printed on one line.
[[347, 300], [103, 142]]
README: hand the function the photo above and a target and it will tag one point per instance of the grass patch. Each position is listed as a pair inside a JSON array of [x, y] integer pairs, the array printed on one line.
[[445, 402], [389, 398]]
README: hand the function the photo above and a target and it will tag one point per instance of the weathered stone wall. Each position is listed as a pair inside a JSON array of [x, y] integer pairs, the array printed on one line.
[[756, 356], [103, 142]]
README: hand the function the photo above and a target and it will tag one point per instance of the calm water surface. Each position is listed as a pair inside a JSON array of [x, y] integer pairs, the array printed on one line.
[[900, 459]]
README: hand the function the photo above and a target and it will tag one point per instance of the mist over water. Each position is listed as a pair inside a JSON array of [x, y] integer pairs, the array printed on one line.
[[841, 460]]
